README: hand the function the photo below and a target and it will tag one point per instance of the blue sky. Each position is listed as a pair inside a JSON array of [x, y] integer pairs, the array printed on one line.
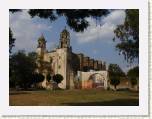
[[95, 41]]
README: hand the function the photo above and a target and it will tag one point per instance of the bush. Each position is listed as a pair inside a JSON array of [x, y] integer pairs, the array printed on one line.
[[38, 77], [58, 78]]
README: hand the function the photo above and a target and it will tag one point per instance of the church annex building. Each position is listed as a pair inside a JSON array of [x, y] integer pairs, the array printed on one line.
[[78, 70]]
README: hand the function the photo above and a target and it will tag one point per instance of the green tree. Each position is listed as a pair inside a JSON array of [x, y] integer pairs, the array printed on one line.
[[11, 40], [128, 34], [133, 75], [22, 69], [115, 70], [58, 78], [115, 74], [115, 81]]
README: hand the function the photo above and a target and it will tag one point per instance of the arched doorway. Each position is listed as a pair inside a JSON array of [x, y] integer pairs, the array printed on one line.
[[96, 80]]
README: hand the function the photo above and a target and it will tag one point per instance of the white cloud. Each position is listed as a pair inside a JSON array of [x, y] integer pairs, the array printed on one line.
[[103, 32], [116, 17], [26, 30]]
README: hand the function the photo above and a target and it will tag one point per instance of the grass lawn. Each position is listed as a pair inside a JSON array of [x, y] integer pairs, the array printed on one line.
[[93, 97]]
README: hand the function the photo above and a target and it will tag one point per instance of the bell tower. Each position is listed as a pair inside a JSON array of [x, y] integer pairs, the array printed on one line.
[[41, 48], [64, 39]]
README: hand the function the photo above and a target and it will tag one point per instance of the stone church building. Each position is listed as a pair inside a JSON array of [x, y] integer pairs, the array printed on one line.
[[78, 70]]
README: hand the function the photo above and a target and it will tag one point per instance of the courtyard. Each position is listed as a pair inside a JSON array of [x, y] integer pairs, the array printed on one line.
[[92, 97]]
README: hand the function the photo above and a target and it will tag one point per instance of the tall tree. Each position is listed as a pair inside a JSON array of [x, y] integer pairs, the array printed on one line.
[[11, 40], [128, 34], [22, 69], [115, 74]]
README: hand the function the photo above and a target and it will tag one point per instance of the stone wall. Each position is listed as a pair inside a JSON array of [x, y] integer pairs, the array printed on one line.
[[84, 77], [86, 63]]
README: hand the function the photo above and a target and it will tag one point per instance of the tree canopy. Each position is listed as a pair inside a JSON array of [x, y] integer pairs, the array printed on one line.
[[128, 34], [75, 18], [114, 70], [134, 72]]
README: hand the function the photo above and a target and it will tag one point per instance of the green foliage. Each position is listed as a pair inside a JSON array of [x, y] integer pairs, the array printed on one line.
[[11, 40], [58, 78], [115, 74], [115, 71], [21, 70], [115, 81], [133, 75], [128, 34], [37, 77], [75, 18]]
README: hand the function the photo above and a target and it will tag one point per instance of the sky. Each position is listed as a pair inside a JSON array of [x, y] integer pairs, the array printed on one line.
[[95, 42]]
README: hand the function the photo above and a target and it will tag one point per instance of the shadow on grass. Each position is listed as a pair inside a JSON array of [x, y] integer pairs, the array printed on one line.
[[118, 102], [23, 91], [134, 95], [18, 93]]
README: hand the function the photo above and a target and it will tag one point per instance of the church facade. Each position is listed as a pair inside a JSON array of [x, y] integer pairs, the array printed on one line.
[[78, 70]]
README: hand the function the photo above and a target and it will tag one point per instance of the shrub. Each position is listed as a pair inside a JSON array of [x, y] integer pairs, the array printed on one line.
[[58, 78]]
